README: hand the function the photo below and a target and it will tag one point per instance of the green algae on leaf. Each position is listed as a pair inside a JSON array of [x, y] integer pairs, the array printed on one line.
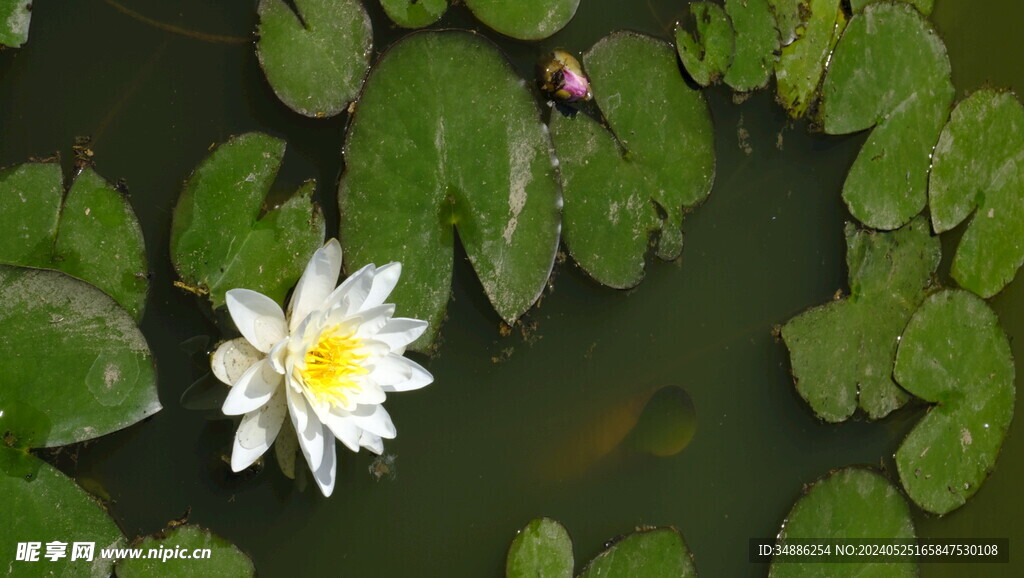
[[954, 355], [801, 64], [92, 234], [923, 6], [414, 13], [707, 51], [16, 15], [889, 71], [647, 552], [848, 505], [757, 41], [842, 352], [482, 164], [98, 374], [542, 548], [314, 60], [663, 157], [524, 19], [222, 238], [208, 555], [979, 166], [51, 507]]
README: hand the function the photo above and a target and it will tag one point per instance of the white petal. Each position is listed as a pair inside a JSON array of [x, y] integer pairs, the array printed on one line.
[[396, 373], [253, 389], [374, 419], [373, 320], [352, 291], [317, 282], [230, 360], [384, 281], [258, 317], [325, 474], [344, 428], [311, 436], [400, 332], [372, 443], [257, 431], [371, 394]]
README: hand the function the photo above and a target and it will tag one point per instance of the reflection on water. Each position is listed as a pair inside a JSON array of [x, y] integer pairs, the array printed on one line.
[[767, 244]]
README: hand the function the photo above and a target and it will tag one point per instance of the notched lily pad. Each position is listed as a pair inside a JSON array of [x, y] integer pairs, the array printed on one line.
[[483, 164], [414, 13], [757, 41], [663, 157], [15, 16], [954, 354], [190, 551], [71, 358], [524, 19], [842, 352], [92, 234], [648, 552], [542, 548], [314, 60], [979, 167], [889, 71], [802, 62], [221, 237], [707, 51], [52, 508], [848, 505]]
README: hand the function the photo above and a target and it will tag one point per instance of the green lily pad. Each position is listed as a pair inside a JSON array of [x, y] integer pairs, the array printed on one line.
[[414, 13], [848, 505], [842, 352], [315, 60], [707, 52], [649, 552], [890, 71], [71, 358], [663, 158], [757, 40], [524, 19], [221, 238], [542, 548], [790, 17], [482, 165], [802, 62], [923, 6], [191, 551], [16, 16], [979, 166], [93, 234], [954, 354], [52, 514]]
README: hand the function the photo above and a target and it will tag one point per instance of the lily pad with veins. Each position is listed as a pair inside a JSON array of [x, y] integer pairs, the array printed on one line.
[[954, 355], [655, 164], [842, 352], [426, 158], [889, 71], [223, 237], [91, 233], [315, 60], [978, 171]]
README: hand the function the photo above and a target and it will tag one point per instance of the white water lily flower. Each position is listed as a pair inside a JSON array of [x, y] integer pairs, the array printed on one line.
[[327, 364]]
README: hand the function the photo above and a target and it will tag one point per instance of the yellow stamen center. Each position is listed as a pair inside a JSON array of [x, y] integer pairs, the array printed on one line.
[[330, 366]]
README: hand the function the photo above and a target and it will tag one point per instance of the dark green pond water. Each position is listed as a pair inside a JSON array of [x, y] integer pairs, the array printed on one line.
[[510, 429]]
